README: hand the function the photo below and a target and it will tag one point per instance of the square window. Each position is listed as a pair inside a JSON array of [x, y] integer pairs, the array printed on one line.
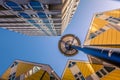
[[76, 75], [92, 35], [73, 63], [79, 73], [103, 72], [102, 30], [82, 78], [98, 74], [77, 79], [12, 66], [36, 5], [109, 69]]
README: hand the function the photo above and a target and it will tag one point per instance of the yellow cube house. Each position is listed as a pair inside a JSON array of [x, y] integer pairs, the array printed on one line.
[[23, 70], [104, 31], [83, 70]]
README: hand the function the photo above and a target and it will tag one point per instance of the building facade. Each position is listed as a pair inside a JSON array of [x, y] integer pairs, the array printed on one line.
[[22, 70], [37, 17], [82, 70], [104, 33], [104, 30]]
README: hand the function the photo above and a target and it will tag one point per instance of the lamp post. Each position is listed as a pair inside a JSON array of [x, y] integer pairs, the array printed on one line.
[[69, 45]]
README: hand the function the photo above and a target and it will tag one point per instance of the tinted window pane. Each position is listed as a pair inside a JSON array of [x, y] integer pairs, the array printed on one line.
[[46, 21], [42, 15], [13, 6], [75, 75], [73, 63], [82, 78], [36, 5], [98, 74], [102, 30], [77, 79], [92, 35], [103, 72], [31, 21], [24, 15], [79, 73], [109, 69], [69, 65], [37, 25]]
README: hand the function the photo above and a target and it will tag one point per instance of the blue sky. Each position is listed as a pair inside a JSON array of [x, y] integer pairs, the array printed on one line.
[[45, 49]]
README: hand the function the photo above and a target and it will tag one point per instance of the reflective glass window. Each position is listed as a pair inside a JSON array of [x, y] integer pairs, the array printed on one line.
[[24, 15], [14, 6], [36, 5], [42, 15], [46, 21], [31, 21]]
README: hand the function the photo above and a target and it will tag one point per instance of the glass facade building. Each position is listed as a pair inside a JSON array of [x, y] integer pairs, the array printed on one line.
[[37, 17]]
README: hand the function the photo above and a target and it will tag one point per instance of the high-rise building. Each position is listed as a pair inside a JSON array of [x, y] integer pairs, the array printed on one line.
[[23, 70], [83, 70], [37, 17], [104, 30]]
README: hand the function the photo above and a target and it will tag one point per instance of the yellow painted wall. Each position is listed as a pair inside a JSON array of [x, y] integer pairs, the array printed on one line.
[[109, 37], [114, 75], [23, 68], [38, 75], [68, 75], [97, 24], [114, 13], [6, 74], [87, 68], [46, 77]]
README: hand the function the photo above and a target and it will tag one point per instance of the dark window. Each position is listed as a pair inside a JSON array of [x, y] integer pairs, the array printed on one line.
[[36, 5], [75, 75], [46, 21], [71, 64], [103, 72], [24, 15], [109, 69], [98, 74], [14, 6], [42, 15], [77, 79], [52, 77], [14, 73], [82, 78], [97, 32], [79, 73], [102, 30], [15, 63], [12, 76], [31, 21], [9, 75], [12, 65], [92, 35]]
